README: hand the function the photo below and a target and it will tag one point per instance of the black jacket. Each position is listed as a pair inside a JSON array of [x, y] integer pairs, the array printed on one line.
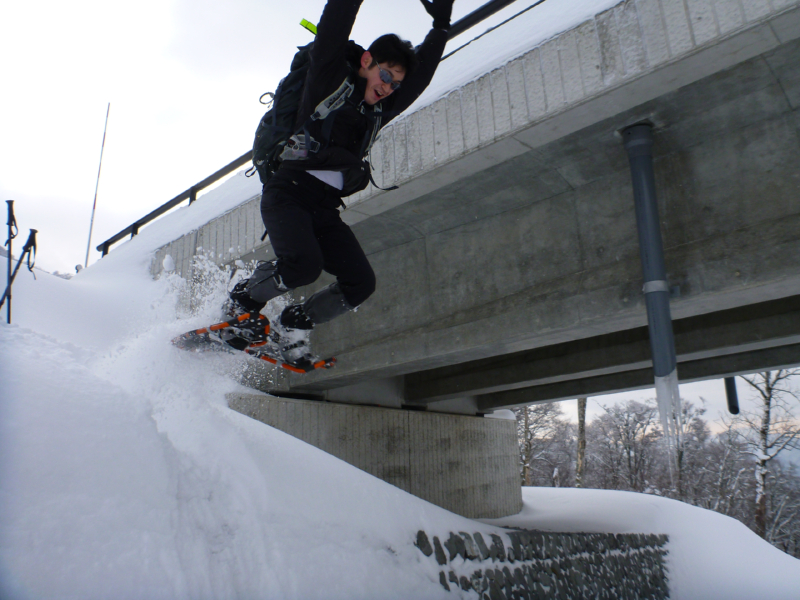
[[333, 59]]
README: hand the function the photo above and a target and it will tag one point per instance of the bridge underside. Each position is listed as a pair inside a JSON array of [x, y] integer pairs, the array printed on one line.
[[724, 343], [521, 282]]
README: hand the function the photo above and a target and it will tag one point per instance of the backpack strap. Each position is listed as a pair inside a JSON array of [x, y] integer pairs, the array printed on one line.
[[301, 143], [335, 101], [389, 189], [369, 140]]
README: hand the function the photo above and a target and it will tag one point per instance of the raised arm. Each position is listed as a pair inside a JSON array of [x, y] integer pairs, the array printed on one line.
[[429, 53], [333, 31]]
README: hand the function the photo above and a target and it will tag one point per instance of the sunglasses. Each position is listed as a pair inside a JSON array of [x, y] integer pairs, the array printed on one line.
[[386, 77]]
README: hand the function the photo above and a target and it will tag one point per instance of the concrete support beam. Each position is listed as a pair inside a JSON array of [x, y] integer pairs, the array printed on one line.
[[618, 356], [781, 357], [388, 392]]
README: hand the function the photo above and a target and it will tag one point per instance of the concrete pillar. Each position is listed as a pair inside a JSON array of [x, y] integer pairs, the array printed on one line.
[[465, 464]]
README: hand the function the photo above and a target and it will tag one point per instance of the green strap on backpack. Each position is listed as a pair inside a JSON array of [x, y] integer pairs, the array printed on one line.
[[309, 25]]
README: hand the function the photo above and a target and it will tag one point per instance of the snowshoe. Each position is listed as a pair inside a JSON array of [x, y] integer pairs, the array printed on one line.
[[251, 333]]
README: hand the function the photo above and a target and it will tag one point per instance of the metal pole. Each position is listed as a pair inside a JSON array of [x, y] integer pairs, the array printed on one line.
[[12, 224], [638, 142], [731, 395], [97, 185], [30, 246], [476, 16]]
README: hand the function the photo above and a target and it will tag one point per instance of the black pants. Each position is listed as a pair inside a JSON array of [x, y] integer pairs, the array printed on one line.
[[301, 214]]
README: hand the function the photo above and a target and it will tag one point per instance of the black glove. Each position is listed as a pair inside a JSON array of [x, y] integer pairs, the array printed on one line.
[[440, 10]]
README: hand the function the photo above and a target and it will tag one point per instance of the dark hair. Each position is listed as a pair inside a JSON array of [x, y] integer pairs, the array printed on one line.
[[391, 49]]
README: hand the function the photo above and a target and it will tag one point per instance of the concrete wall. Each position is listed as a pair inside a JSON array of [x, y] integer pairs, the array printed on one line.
[[223, 240], [467, 465]]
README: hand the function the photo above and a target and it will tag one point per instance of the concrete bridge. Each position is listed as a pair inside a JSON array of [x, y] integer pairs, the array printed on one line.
[[507, 262]]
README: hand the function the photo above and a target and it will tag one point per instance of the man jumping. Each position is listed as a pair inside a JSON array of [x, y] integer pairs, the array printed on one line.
[[324, 161]]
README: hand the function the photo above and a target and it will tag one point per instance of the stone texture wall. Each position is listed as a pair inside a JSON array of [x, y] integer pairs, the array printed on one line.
[[533, 564], [467, 465]]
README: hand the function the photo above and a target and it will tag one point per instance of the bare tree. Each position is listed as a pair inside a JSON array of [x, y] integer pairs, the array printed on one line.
[[783, 525], [580, 467], [694, 435], [624, 443], [543, 434], [725, 469], [624, 450], [770, 430]]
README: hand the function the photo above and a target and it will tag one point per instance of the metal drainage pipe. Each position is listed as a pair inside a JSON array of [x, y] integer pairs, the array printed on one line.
[[638, 141], [731, 396]]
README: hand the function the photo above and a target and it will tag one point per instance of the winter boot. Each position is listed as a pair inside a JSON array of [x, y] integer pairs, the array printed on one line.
[[326, 305], [290, 334], [251, 295], [295, 317], [239, 301], [297, 321]]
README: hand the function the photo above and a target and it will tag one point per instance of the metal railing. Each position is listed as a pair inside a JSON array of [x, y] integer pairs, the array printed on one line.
[[476, 16], [190, 195], [456, 28]]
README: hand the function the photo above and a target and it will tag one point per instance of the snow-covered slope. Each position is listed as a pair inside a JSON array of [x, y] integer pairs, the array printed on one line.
[[123, 474]]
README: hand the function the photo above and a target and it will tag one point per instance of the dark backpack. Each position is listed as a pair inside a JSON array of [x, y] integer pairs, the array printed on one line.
[[279, 123]]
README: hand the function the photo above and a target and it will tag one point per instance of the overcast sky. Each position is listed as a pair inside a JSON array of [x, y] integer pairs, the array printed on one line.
[[183, 79]]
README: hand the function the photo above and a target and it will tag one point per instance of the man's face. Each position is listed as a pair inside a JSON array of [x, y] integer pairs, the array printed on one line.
[[377, 89]]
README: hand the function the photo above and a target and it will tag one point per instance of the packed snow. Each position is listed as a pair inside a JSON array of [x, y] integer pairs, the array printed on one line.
[[123, 474]]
